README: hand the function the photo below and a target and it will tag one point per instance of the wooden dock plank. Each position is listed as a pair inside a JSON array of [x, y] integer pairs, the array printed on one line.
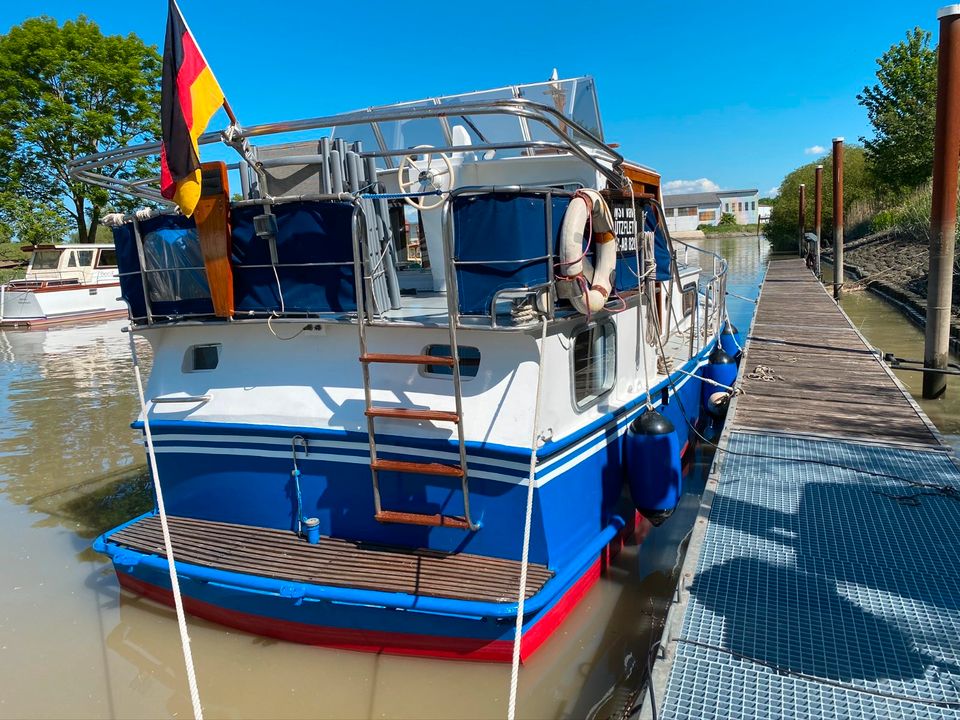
[[828, 381]]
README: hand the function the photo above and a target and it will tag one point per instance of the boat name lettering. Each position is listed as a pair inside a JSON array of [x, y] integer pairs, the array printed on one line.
[[625, 227]]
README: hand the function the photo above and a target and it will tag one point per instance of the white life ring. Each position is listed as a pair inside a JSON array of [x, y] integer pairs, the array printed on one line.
[[596, 283]]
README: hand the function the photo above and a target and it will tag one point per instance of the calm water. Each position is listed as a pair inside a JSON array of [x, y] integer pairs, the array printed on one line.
[[73, 645], [885, 327]]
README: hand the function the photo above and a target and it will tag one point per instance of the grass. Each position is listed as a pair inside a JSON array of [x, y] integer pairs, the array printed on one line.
[[729, 229]]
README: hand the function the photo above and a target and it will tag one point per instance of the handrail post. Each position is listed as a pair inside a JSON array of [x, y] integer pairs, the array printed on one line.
[[943, 213]]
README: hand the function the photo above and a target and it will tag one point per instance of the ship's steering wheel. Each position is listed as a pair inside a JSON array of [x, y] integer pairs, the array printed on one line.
[[414, 177]]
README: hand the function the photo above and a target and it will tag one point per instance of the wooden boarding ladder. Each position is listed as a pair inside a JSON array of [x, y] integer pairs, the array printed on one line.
[[373, 412]]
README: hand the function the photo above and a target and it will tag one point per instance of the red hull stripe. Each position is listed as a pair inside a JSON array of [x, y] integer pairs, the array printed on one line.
[[393, 643]]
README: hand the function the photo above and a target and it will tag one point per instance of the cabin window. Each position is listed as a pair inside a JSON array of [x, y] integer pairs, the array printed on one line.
[[689, 296], [469, 361], [174, 265], [107, 259], [71, 259], [201, 357], [84, 258], [594, 364]]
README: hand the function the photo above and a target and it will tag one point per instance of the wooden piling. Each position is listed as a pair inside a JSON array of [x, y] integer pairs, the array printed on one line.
[[817, 212], [837, 218], [943, 213]]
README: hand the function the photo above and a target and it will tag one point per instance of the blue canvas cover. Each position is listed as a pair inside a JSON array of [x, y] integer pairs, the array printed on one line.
[[169, 244], [128, 266], [498, 234], [309, 235]]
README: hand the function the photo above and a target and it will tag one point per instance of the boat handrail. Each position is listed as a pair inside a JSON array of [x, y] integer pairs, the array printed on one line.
[[572, 138], [714, 288], [170, 399]]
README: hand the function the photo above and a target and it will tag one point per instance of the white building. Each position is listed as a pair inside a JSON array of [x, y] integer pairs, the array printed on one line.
[[742, 204], [689, 211]]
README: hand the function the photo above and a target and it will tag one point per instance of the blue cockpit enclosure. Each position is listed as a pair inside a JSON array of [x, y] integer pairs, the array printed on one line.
[[501, 242], [176, 281], [314, 245]]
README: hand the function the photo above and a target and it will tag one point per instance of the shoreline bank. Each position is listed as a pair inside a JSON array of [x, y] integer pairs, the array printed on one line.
[[895, 269]]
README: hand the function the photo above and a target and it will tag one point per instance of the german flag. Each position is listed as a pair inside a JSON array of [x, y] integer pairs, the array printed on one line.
[[190, 95]]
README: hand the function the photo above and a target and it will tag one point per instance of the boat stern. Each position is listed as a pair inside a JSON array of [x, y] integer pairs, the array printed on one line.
[[19, 307]]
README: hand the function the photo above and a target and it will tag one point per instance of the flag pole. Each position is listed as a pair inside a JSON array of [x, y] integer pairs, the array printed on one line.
[[229, 111], [226, 103]]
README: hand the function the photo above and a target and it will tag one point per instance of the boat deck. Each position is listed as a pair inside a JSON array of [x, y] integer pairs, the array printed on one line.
[[341, 563], [822, 578]]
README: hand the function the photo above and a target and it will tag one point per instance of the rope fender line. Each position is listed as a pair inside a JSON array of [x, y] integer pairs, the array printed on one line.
[[167, 542], [527, 522]]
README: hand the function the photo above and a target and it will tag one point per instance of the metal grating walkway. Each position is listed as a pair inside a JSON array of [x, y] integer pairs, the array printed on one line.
[[824, 582]]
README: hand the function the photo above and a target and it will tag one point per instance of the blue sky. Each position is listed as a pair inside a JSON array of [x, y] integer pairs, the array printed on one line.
[[733, 95]]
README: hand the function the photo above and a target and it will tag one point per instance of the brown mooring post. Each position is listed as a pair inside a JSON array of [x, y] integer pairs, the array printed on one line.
[[837, 218], [802, 218], [817, 212], [943, 213]]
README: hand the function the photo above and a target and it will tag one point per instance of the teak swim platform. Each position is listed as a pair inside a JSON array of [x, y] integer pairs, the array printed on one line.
[[278, 554], [821, 579]]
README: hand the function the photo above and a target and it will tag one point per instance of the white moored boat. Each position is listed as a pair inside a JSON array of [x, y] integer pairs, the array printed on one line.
[[63, 283]]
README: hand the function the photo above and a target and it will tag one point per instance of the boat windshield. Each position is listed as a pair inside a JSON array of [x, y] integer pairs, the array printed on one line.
[[575, 99], [45, 260]]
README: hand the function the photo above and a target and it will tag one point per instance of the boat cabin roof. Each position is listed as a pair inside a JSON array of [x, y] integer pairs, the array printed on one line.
[[67, 246]]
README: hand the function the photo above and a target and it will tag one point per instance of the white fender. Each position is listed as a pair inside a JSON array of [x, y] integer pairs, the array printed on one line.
[[598, 282]]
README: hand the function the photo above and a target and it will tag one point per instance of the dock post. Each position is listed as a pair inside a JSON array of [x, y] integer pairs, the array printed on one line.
[[837, 218], [817, 212], [803, 219], [943, 213]]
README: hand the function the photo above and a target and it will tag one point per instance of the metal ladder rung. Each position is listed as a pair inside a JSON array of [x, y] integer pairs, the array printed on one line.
[[407, 518], [422, 468], [407, 359], [411, 414], [372, 412]]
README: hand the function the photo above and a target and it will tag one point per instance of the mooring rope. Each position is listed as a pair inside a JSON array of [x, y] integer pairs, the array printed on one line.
[[527, 522], [167, 543]]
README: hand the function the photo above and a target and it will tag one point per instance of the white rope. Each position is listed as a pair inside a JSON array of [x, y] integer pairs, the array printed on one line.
[[726, 312], [528, 520], [733, 390], [167, 544]]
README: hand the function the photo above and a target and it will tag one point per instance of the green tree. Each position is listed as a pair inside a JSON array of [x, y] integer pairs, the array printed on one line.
[[67, 91], [858, 186], [30, 222], [902, 109]]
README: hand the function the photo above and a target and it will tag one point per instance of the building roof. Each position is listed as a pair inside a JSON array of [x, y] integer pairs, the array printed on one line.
[[728, 193], [688, 199]]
